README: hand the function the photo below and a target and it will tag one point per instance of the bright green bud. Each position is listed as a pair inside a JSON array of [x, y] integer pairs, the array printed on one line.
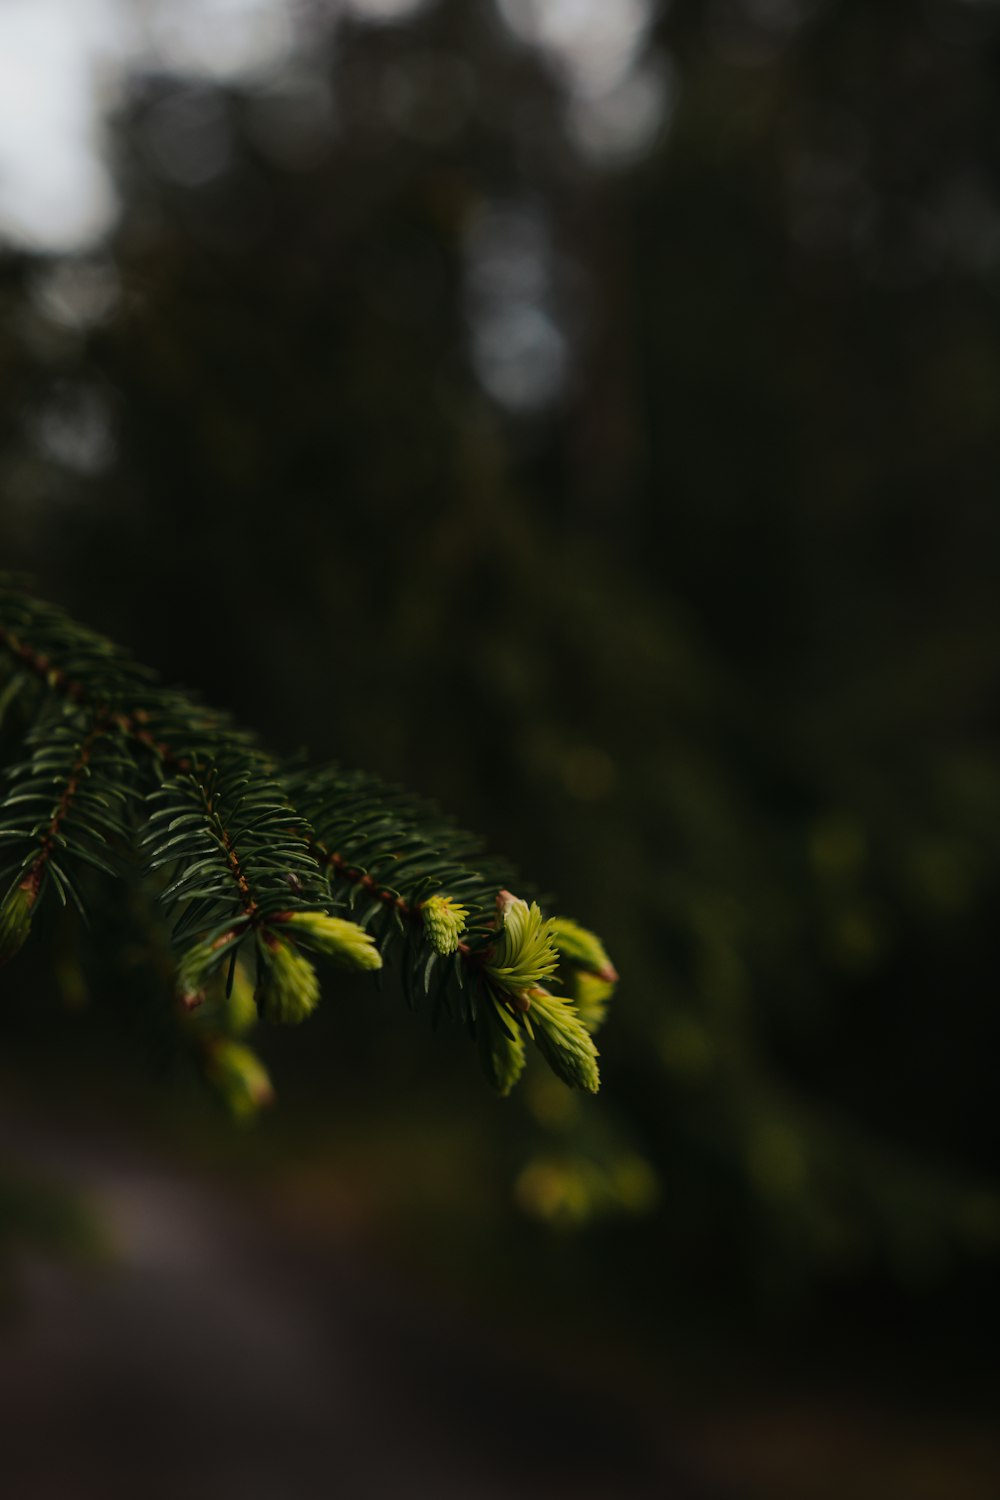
[[191, 975], [523, 954], [232, 1014], [444, 920], [582, 948], [556, 1190], [591, 994], [345, 942], [240, 1077], [198, 965], [239, 1009], [15, 921], [288, 988], [501, 1045], [564, 1040]]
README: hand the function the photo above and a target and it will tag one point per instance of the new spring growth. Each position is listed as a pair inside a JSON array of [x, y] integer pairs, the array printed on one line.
[[240, 1077], [594, 976], [238, 1010], [563, 1039], [591, 995], [444, 920], [524, 953], [501, 1046], [229, 1009], [582, 948], [287, 986], [345, 942], [198, 965], [15, 921]]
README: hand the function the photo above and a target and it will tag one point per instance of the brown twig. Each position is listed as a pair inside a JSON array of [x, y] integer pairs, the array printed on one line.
[[33, 879]]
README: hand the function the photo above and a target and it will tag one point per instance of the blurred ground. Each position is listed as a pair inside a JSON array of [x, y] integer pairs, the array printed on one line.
[[228, 1348], [218, 1357]]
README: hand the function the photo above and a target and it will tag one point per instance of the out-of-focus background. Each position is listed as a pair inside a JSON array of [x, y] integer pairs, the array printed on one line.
[[586, 412]]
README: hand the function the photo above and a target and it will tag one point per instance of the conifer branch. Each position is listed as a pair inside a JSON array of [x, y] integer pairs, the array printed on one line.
[[36, 870], [255, 864], [232, 858]]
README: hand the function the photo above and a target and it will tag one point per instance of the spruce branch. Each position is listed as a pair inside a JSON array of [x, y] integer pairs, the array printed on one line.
[[65, 804], [256, 864]]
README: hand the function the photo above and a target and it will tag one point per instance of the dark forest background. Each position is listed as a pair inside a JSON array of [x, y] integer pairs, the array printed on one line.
[[634, 496]]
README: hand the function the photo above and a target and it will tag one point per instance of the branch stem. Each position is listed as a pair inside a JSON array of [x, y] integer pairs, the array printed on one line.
[[134, 725], [32, 882]]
